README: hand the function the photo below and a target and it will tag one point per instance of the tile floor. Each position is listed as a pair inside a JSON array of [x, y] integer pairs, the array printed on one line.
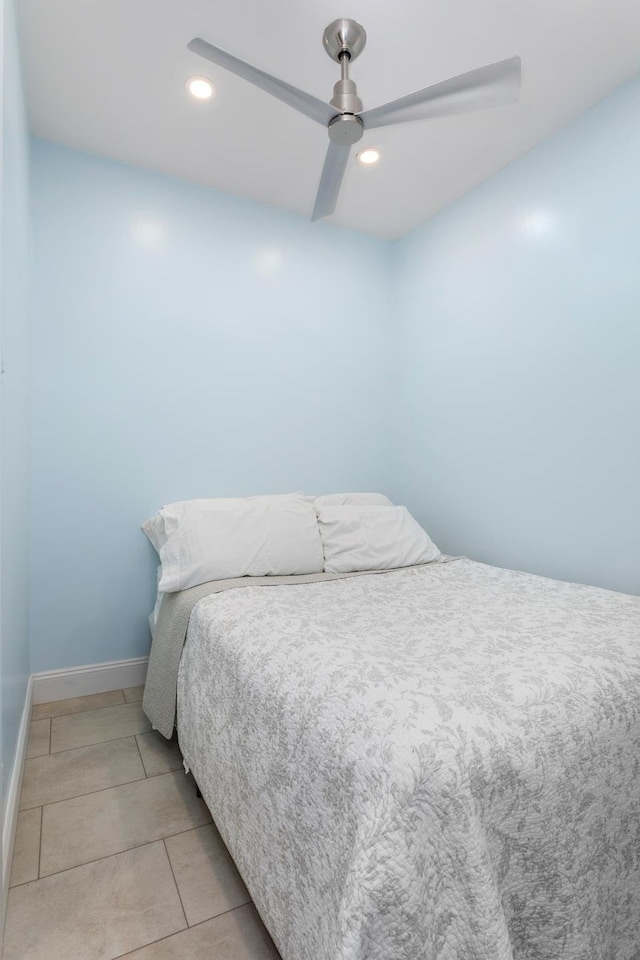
[[115, 855]]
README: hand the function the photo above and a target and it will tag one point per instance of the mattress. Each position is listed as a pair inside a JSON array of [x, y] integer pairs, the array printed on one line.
[[438, 763]]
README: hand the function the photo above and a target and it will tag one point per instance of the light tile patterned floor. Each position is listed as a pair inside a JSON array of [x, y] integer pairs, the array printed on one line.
[[115, 856]]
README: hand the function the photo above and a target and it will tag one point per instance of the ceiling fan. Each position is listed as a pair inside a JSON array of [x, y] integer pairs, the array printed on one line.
[[344, 40]]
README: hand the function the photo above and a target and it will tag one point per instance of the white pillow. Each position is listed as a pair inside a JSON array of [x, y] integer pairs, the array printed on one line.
[[372, 538], [155, 529], [217, 540], [353, 499]]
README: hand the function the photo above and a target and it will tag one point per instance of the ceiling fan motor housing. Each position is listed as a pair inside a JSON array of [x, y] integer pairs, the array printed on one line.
[[346, 129], [345, 97]]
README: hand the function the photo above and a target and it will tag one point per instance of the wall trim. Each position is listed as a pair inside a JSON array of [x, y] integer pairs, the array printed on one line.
[[13, 797], [88, 679]]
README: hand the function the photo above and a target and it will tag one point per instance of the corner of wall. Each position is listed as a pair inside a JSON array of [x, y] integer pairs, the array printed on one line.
[[14, 428]]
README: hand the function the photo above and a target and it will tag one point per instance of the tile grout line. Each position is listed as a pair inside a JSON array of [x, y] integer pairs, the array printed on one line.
[[116, 853], [79, 713], [83, 746], [89, 793], [75, 713], [40, 844], [184, 912], [96, 742], [136, 846], [141, 757], [131, 701], [86, 863], [178, 933]]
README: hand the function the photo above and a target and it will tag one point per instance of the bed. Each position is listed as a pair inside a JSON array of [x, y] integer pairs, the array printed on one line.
[[435, 763]]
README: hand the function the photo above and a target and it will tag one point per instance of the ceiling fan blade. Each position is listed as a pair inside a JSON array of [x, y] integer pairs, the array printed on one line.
[[298, 99], [490, 86], [335, 165]]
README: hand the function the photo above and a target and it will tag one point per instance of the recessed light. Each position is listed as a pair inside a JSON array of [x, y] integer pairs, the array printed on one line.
[[200, 88], [369, 156]]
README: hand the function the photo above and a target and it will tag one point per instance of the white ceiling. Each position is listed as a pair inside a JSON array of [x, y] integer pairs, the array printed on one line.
[[108, 76]]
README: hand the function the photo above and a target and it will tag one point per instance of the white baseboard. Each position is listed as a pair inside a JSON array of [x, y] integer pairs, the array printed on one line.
[[93, 678], [13, 797]]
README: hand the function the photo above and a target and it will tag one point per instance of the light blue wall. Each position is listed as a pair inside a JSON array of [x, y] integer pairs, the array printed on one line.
[[518, 364], [14, 396], [185, 344]]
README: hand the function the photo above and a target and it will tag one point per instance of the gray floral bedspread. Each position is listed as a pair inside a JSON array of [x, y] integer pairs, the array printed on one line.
[[439, 764]]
